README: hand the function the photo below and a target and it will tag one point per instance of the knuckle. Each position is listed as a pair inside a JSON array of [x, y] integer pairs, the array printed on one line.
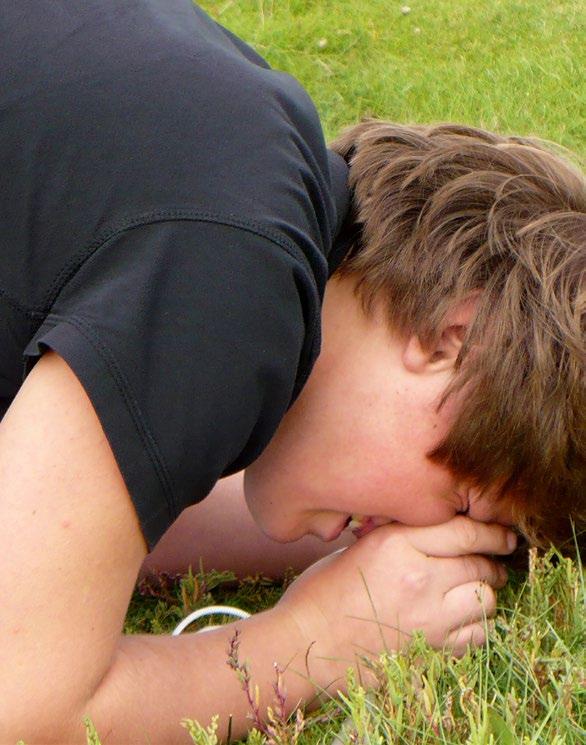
[[391, 541], [380, 538], [468, 533], [490, 603], [478, 636], [471, 567], [487, 598], [488, 570], [494, 573], [415, 581], [500, 536]]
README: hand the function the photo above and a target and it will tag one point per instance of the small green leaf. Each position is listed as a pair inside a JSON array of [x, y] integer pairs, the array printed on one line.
[[500, 729], [91, 734]]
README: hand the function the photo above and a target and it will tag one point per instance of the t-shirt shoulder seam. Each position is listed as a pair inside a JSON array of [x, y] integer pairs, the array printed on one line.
[[163, 215], [148, 439]]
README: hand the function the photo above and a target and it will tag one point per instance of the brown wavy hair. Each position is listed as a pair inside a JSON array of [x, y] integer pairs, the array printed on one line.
[[445, 211]]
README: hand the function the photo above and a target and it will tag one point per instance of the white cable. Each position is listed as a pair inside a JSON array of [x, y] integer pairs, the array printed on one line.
[[226, 610]]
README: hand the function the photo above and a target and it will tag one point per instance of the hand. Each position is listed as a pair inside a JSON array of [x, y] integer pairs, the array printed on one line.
[[427, 578]]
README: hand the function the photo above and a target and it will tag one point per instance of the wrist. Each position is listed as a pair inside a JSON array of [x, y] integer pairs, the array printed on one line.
[[316, 657]]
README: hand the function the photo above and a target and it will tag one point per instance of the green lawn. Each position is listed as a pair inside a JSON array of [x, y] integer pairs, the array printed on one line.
[[526, 687], [515, 66], [511, 66]]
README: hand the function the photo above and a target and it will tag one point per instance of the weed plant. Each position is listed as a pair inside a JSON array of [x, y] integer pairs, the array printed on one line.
[[526, 686]]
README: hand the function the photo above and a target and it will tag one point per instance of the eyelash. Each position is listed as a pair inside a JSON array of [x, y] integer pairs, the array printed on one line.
[[465, 512]]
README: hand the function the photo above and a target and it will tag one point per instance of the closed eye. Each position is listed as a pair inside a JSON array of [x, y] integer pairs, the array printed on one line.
[[465, 510]]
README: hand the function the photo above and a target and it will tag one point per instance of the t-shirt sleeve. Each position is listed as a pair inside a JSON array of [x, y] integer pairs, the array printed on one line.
[[191, 339]]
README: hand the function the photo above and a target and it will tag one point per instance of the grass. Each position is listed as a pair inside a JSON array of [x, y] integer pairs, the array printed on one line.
[[514, 66], [527, 686], [510, 65]]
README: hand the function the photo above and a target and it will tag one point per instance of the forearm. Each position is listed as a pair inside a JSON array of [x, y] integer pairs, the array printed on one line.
[[156, 681]]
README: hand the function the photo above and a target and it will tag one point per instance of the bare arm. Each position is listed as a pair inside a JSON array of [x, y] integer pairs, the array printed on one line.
[[221, 531], [71, 551]]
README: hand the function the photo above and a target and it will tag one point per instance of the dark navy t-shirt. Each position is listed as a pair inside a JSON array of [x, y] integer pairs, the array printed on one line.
[[167, 207]]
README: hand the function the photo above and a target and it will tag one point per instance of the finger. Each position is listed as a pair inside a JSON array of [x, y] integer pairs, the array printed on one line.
[[459, 640], [469, 603], [461, 570], [460, 536]]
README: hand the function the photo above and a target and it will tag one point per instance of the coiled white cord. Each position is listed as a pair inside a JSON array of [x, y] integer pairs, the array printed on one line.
[[210, 610]]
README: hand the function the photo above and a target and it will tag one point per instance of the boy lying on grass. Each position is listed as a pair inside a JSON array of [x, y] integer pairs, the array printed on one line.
[[167, 278]]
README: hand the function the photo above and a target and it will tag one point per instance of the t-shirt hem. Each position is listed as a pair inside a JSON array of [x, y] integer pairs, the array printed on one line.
[[145, 475]]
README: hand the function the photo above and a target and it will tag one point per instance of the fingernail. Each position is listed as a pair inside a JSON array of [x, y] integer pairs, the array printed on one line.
[[511, 540]]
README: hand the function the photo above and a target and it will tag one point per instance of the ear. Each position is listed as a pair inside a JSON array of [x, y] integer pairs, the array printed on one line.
[[442, 356]]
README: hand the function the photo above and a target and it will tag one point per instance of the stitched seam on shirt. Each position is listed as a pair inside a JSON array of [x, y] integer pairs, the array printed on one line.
[[124, 388], [251, 226]]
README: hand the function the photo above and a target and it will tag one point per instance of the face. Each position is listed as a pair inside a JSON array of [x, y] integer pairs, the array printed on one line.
[[356, 439]]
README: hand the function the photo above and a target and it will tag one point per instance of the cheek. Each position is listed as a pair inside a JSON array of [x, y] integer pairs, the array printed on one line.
[[265, 506], [364, 453]]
